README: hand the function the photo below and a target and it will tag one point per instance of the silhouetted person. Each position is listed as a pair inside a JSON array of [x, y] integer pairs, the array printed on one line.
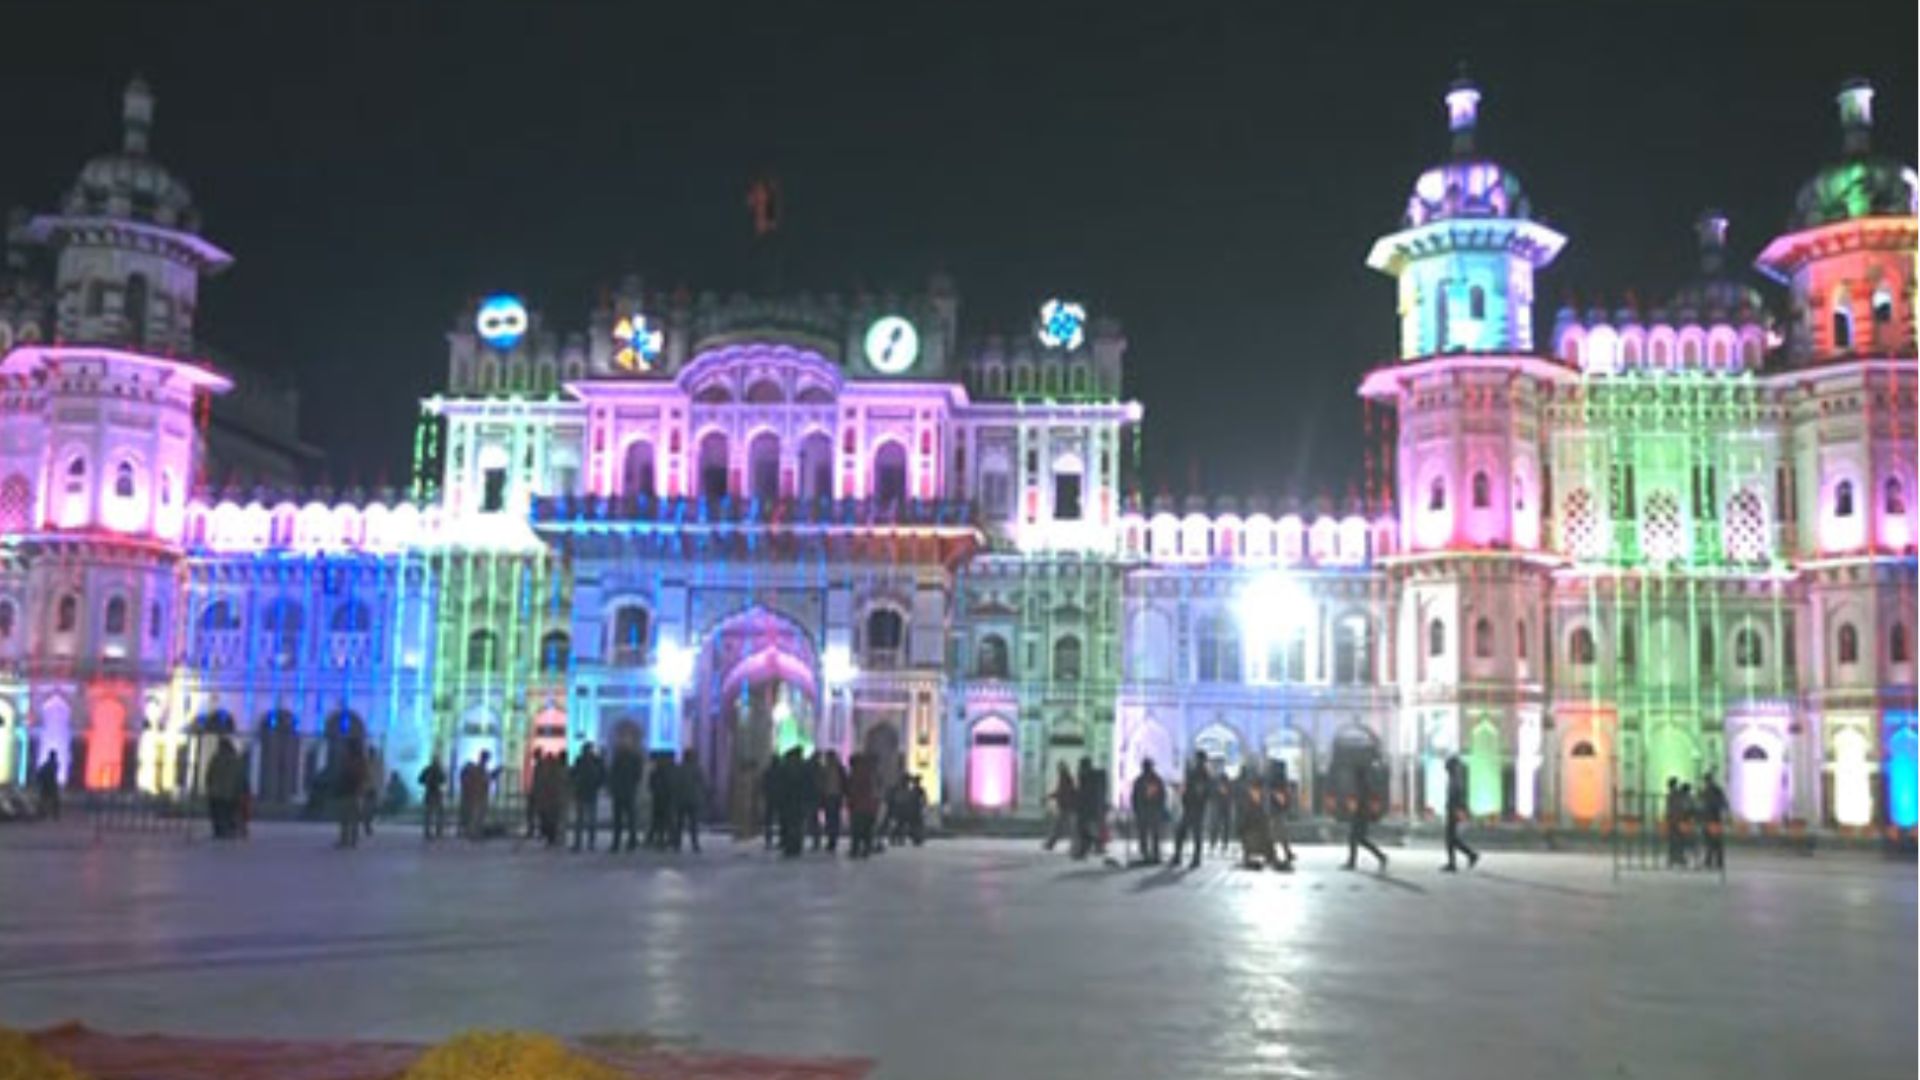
[[1228, 799], [1089, 814], [915, 803], [550, 796], [588, 776], [226, 782], [770, 780], [662, 823], [833, 797], [795, 799], [476, 787], [1457, 814], [1688, 823], [1361, 816], [863, 804], [1676, 855], [1149, 811], [1196, 792], [1713, 817], [1279, 799], [433, 798], [1065, 801], [46, 783], [623, 784], [349, 778], [689, 796]]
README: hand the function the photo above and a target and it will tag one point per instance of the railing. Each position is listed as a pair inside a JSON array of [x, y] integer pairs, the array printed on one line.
[[683, 512]]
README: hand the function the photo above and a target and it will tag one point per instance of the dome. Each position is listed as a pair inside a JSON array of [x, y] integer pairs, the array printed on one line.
[[128, 184], [1468, 186], [1862, 183], [1714, 293]]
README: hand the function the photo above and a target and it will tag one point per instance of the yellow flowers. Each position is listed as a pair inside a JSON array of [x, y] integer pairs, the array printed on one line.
[[499, 1055]]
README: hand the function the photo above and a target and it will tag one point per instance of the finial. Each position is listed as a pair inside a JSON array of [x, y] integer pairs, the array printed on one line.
[[136, 114], [1856, 115], [1711, 230], [1463, 110]]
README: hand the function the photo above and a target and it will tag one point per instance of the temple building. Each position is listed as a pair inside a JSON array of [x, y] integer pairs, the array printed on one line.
[[1599, 553]]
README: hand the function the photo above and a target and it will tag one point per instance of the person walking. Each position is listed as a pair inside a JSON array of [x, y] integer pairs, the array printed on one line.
[[46, 784], [833, 797], [349, 778], [689, 796], [863, 804], [623, 785], [1149, 798], [1713, 816], [588, 777], [1360, 815], [1065, 799], [433, 798], [1457, 814], [1196, 792]]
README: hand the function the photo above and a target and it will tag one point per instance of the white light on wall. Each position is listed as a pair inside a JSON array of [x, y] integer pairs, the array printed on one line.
[[674, 668], [1272, 605], [836, 666]]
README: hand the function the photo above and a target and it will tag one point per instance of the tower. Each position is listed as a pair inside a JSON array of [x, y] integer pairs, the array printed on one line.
[[1468, 396]]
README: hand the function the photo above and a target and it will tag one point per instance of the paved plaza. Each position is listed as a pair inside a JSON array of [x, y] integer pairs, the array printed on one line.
[[983, 958]]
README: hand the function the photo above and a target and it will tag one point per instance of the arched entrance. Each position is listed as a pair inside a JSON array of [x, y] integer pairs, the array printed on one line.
[[755, 694], [278, 746], [1354, 749]]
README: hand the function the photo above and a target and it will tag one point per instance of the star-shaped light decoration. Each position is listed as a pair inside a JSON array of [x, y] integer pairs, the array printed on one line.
[[638, 343]]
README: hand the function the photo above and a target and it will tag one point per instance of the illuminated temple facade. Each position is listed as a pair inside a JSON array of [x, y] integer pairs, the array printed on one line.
[[1642, 544]]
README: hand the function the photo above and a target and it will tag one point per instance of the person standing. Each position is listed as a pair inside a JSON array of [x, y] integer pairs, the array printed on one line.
[[1674, 856], [916, 805], [476, 783], [1196, 792], [550, 796], [1713, 817], [660, 812], [1279, 799], [689, 795], [1457, 813], [1149, 811], [1228, 798], [46, 783], [589, 775], [370, 781], [529, 790], [833, 797], [349, 778], [226, 777], [1360, 816], [433, 798], [623, 784], [1688, 825], [1065, 799], [863, 805]]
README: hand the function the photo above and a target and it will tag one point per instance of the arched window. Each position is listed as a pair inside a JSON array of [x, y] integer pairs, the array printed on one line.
[[816, 466], [1580, 650], [1217, 652], [154, 618], [1894, 500], [1882, 306], [1482, 491], [1842, 327], [1897, 652], [284, 622], [632, 634], [123, 480], [1848, 645], [136, 309], [1436, 638], [1066, 658], [1748, 652], [67, 615], [1437, 493], [556, 652], [1352, 664], [990, 659], [483, 651], [77, 474], [352, 617], [763, 465], [1477, 302], [1483, 639], [1706, 649], [637, 475], [116, 619], [886, 636], [890, 473], [1520, 639], [6, 619], [219, 617], [1843, 499], [714, 464]]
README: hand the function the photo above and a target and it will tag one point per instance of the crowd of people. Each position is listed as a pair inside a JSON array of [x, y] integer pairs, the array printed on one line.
[[1696, 820], [803, 799]]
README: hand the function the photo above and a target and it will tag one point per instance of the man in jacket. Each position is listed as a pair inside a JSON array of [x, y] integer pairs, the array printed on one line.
[[623, 784], [689, 797], [1196, 792], [433, 798], [588, 776], [1457, 813], [833, 790], [1149, 811]]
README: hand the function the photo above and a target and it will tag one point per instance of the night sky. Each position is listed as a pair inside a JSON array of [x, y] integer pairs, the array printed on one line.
[[1213, 175]]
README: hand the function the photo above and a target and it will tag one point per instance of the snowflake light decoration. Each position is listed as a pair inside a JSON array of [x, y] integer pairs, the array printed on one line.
[[638, 343]]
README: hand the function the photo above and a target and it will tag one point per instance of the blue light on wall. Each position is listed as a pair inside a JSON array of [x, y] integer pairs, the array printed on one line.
[[1063, 324], [1903, 771]]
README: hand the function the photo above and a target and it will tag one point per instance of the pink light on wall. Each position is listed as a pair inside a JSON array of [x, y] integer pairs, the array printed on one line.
[[990, 766]]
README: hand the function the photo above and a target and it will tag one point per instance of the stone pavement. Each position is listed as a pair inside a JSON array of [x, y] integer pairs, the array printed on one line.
[[974, 958]]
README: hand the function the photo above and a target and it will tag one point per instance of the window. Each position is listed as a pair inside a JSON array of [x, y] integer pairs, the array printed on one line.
[[1843, 499], [996, 494], [1894, 499], [886, 633], [284, 622], [352, 617], [1217, 655], [483, 651], [1066, 658], [1748, 652], [1482, 491], [990, 659], [1483, 639], [1897, 652], [556, 652], [123, 480], [116, 620], [1519, 493], [713, 466], [154, 619], [1520, 639], [493, 490], [135, 309], [1351, 664], [1066, 496], [6, 619], [1580, 648], [1842, 328], [1436, 638], [1629, 650], [890, 474], [1477, 302], [632, 633], [636, 474], [1706, 649], [1882, 307], [1848, 645], [77, 474], [1437, 494], [219, 617], [763, 466], [67, 615]]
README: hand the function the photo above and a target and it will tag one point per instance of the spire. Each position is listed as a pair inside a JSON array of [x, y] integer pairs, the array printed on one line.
[[1463, 111], [1856, 115], [136, 115], [1711, 229]]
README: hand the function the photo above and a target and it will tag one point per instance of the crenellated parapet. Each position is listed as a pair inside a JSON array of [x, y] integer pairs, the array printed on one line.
[[1596, 343], [1026, 368], [294, 527], [1256, 537]]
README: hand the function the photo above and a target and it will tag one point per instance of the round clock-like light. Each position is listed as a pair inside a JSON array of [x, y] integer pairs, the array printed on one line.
[[1063, 324], [501, 321], [892, 345], [637, 343]]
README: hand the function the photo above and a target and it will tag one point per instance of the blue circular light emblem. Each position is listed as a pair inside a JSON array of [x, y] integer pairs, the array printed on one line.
[[1063, 324], [501, 321]]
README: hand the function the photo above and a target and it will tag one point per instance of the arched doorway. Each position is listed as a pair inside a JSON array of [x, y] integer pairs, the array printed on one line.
[[1584, 779], [1355, 749], [278, 746], [990, 766], [755, 694], [1291, 749], [882, 744], [106, 745]]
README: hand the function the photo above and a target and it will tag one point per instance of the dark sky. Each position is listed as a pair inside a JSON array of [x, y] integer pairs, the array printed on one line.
[[1212, 174]]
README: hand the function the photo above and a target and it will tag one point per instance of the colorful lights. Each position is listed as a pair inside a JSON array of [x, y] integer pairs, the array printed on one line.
[[1063, 325], [837, 667], [501, 321], [637, 342], [673, 665], [892, 345]]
